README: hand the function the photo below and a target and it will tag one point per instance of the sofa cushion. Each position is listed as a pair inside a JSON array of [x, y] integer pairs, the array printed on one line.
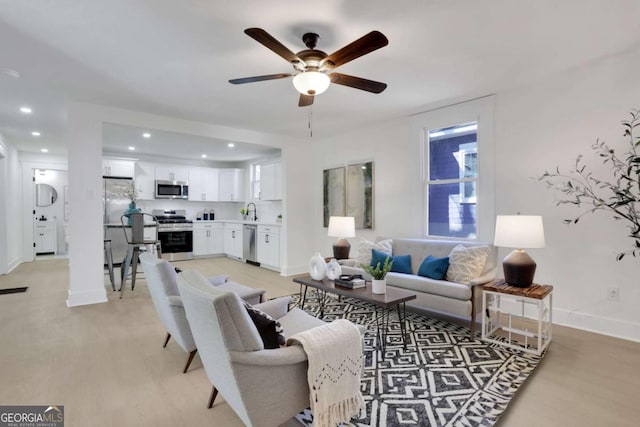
[[364, 249], [431, 286], [434, 268], [466, 263]]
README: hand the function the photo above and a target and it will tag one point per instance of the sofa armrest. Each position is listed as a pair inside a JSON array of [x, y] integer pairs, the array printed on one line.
[[175, 300], [275, 308], [485, 278], [349, 262]]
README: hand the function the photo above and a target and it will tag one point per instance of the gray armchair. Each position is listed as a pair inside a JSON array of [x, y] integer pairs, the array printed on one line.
[[264, 387], [161, 281]]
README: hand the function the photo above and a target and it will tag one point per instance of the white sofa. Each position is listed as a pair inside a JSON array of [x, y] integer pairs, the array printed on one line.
[[439, 296]]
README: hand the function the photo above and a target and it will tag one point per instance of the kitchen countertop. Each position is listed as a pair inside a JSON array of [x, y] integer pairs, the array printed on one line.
[[233, 221], [119, 225]]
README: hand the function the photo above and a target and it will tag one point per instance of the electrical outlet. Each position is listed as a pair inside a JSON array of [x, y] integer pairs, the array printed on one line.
[[613, 294]]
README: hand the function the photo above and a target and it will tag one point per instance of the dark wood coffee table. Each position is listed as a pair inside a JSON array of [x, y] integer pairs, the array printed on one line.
[[393, 299]]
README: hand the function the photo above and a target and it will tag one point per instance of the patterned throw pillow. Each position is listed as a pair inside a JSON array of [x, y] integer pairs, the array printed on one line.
[[270, 329], [364, 250], [466, 263]]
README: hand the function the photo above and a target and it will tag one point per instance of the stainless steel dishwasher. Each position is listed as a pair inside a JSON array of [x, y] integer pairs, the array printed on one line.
[[249, 249]]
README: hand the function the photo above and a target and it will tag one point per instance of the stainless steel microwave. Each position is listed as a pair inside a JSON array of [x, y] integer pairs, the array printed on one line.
[[172, 190]]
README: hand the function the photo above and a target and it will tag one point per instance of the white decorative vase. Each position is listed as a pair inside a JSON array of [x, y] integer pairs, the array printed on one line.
[[379, 286], [333, 269], [317, 267]]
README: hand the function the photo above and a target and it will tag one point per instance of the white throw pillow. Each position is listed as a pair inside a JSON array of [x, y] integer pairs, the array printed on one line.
[[364, 250], [466, 263]]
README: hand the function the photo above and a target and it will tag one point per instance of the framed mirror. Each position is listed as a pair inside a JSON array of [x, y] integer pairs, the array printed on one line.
[[46, 195], [360, 194]]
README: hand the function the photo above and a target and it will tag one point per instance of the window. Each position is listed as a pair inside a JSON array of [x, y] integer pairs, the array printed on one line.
[[255, 181], [452, 177], [457, 170]]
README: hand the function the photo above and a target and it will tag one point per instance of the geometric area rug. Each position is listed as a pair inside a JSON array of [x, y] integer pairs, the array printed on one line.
[[442, 379]]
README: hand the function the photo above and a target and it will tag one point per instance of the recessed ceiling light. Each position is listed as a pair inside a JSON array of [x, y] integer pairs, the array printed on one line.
[[231, 145], [204, 156], [35, 133], [44, 150], [9, 73], [132, 148], [26, 110], [146, 135]]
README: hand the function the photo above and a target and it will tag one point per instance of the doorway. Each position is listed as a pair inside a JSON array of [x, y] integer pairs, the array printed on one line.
[[50, 213]]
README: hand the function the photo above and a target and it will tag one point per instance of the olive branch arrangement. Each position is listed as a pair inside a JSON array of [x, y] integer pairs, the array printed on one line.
[[620, 197]]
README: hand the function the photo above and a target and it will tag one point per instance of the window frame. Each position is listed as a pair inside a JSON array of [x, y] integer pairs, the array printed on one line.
[[479, 111]]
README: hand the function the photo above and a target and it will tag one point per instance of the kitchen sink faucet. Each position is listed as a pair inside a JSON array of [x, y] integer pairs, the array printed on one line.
[[255, 211]]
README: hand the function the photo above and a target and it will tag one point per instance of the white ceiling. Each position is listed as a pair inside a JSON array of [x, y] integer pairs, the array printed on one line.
[[175, 58]]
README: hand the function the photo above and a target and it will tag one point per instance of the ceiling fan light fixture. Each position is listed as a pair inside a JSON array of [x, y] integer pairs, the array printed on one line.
[[311, 82]]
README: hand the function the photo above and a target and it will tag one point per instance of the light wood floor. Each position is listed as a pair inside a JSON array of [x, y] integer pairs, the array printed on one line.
[[105, 362]]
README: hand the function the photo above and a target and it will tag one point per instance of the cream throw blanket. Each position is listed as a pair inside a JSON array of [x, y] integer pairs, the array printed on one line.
[[334, 351]]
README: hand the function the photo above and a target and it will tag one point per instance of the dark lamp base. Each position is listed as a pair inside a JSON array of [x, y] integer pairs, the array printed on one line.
[[519, 269], [341, 249]]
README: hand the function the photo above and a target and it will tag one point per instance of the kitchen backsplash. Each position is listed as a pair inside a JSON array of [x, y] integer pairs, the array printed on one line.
[[267, 210]]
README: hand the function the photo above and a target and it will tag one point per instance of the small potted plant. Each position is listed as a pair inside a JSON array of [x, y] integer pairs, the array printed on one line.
[[243, 212], [378, 273]]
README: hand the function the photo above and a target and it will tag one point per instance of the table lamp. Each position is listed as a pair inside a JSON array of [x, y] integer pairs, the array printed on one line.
[[341, 227], [519, 231]]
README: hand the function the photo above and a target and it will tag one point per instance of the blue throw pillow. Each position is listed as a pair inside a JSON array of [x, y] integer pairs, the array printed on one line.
[[401, 264], [378, 257], [434, 268]]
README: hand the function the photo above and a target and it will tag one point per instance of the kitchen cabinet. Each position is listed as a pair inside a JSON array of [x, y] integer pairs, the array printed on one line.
[[203, 184], [172, 173], [271, 181], [118, 168], [233, 240], [269, 246], [208, 238], [45, 237], [144, 181], [231, 185]]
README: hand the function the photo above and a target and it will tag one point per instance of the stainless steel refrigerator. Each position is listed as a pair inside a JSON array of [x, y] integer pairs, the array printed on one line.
[[115, 203]]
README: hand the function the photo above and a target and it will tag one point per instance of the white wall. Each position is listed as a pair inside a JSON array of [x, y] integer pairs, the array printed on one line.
[[547, 125], [10, 208], [536, 128]]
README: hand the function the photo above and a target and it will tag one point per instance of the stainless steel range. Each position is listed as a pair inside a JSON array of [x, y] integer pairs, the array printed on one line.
[[175, 233]]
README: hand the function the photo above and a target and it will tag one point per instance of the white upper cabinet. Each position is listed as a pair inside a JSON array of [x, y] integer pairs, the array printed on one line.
[[203, 184], [231, 185], [118, 168], [271, 181], [144, 181], [172, 173]]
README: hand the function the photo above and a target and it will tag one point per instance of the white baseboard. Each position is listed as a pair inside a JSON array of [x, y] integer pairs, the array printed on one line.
[[293, 270], [95, 296], [600, 325], [13, 264]]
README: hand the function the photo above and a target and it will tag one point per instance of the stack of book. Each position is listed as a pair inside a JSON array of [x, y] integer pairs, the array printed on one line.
[[350, 284]]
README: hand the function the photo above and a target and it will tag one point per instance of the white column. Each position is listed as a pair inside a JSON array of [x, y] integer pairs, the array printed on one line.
[[84, 148]]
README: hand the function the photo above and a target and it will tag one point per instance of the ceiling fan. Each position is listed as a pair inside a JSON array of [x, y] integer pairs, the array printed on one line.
[[312, 67]]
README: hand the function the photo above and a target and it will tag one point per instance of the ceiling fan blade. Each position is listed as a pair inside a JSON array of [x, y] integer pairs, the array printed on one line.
[[261, 36], [357, 82], [305, 100], [259, 78], [365, 44]]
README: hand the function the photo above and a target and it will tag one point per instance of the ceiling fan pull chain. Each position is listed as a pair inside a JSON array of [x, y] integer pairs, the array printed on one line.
[[310, 122]]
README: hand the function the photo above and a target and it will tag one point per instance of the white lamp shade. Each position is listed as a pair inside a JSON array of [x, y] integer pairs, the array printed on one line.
[[341, 226], [311, 82], [519, 231]]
